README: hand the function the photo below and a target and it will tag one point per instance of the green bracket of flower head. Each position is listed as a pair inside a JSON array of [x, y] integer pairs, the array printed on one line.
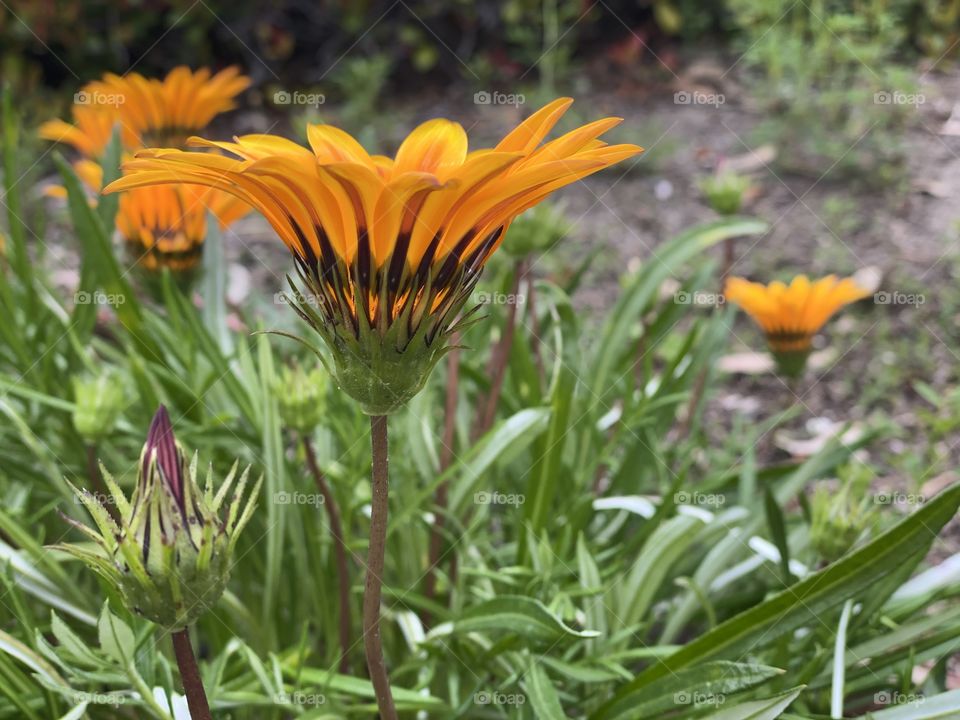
[[301, 397], [98, 402], [791, 363], [381, 368], [169, 554]]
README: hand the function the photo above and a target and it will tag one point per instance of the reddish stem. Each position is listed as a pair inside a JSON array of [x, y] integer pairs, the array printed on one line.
[[190, 675], [379, 507]]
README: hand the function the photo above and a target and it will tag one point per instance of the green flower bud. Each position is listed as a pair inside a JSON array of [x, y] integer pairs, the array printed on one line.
[[171, 553], [839, 517], [98, 404], [301, 396], [725, 192], [537, 230]]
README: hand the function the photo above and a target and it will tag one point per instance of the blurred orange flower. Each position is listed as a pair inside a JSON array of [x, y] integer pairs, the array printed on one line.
[[790, 315]]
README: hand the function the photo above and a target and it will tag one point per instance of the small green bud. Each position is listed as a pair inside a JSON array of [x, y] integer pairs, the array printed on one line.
[[98, 404], [301, 396], [839, 517], [537, 230], [725, 192], [170, 555]]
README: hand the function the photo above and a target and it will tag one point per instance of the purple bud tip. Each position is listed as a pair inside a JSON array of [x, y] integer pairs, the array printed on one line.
[[162, 445]]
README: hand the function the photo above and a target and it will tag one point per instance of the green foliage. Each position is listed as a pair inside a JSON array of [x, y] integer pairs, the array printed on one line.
[[614, 557], [827, 76]]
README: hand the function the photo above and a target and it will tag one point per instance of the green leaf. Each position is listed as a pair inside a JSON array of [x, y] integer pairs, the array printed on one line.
[[95, 242], [545, 471], [656, 559], [11, 200], [76, 713], [768, 709], [9, 645], [665, 262], [839, 661], [778, 532], [110, 162], [508, 438], [590, 581], [329, 683], [945, 706], [542, 695], [116, 638], [811, 598], [71, 645], [214, 288], [706, 684], [516, 614]]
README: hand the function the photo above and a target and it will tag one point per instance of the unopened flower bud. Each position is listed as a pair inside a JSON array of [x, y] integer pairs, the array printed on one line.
[[839, 517], [301, 395], [725, 192], [98, 404], [171, 553]]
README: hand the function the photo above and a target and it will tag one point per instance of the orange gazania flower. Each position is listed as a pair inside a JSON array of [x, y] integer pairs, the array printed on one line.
[[165, 226], [390, 248], [150, 112], [162, 227], [790, 315]]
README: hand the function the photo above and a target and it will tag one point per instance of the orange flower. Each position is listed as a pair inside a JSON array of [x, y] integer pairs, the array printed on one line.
[[163, 227], [150, 112], [790, 315], [390, 246]]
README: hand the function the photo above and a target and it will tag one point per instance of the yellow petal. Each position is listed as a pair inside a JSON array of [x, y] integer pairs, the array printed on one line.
[[437, 146]]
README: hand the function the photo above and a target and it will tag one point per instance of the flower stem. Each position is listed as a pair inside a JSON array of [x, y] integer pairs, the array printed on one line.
[[190, 675], [371, 597], [339, 549]]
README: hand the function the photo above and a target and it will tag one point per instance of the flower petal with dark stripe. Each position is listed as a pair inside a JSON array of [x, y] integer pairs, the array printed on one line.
[[389, 249]]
